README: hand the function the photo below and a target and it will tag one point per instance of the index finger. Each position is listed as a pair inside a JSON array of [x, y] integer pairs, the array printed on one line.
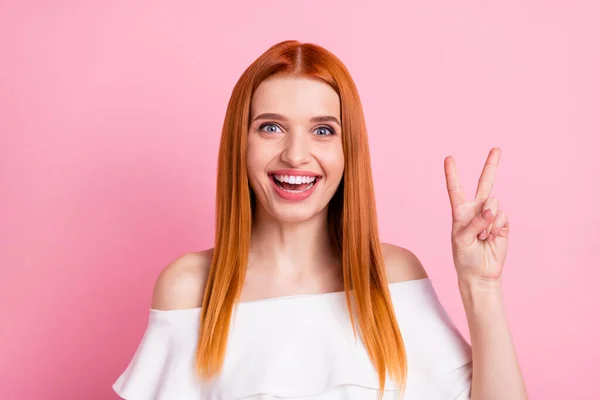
[[486, 181]]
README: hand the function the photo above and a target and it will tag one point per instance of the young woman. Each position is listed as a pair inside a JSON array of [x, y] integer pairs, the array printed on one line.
[[298, 299]]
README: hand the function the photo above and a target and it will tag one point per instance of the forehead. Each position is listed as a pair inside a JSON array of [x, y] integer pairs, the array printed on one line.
[[295, 97]]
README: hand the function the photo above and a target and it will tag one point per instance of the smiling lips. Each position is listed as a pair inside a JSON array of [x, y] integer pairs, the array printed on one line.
[[294, 184]]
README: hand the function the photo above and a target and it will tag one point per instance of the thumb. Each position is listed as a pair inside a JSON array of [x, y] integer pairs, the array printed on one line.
[[479, 223]]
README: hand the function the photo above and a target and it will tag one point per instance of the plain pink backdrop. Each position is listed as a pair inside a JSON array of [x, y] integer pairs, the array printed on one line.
[[110, 119]]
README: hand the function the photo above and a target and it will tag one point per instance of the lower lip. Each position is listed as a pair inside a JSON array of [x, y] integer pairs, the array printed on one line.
[[293, 196]]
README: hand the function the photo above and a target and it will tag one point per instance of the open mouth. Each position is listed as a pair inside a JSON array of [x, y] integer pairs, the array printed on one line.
[[295, 184]]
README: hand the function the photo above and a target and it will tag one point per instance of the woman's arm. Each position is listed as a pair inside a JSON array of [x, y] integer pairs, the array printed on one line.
[[479, 238], [496, 371]]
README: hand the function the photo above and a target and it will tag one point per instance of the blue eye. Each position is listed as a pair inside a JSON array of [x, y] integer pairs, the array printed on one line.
[[325, 128], [269, 127], [266, 125]]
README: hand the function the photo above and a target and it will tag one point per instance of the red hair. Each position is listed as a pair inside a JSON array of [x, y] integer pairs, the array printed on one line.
[[352, 220]]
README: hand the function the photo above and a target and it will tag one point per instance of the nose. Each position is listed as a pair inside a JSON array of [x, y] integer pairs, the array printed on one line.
[[296, 149]]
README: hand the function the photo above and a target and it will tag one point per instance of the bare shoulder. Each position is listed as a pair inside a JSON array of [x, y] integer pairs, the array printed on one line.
[[181, 283], [401, 264]]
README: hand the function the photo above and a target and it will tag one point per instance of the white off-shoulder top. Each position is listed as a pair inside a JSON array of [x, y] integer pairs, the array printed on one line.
[[301, 348]]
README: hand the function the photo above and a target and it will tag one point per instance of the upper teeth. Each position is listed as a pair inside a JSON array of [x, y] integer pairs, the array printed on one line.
[[295, 179]]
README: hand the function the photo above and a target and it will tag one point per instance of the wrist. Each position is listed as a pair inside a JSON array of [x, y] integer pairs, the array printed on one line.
[[480, 295], [478, 285]]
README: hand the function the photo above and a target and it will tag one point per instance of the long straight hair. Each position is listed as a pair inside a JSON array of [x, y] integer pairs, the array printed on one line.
[[352, 221]]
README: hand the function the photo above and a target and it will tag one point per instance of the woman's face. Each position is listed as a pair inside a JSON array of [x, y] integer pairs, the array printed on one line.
[[295, 157]]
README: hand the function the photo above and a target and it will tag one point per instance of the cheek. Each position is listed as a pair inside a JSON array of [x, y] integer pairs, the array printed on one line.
[[333, 162], [258, 156]]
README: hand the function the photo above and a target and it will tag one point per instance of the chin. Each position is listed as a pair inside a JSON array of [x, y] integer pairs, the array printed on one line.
[[294, 213]]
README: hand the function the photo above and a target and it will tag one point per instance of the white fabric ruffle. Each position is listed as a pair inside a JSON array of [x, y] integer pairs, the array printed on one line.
[[301, 347]]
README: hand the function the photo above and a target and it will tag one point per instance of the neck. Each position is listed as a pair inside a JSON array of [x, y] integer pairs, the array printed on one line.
[[291, 248]]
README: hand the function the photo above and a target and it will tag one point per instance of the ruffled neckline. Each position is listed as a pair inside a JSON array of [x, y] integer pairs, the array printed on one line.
[[294, 297]]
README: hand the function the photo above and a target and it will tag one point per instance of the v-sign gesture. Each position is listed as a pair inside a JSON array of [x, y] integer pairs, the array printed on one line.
[[479, 229]]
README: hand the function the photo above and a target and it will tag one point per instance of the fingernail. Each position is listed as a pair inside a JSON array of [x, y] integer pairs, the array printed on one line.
[[488, 213], [482, 235]]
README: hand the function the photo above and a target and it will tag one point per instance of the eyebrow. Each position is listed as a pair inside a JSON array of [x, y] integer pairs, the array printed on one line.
[[320, 118]]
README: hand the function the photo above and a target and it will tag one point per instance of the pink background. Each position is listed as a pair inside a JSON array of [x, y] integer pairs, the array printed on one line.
[[110, 117]]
